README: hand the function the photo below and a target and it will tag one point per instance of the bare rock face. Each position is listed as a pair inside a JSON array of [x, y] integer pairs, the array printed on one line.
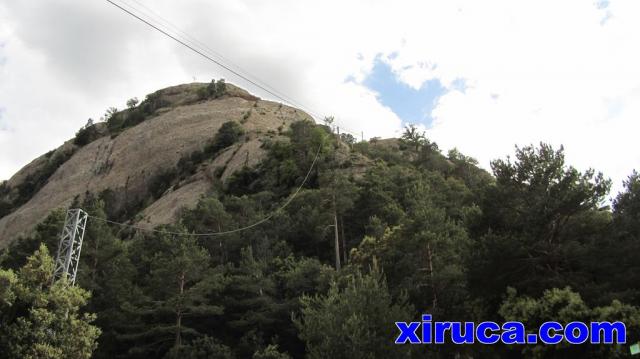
[[126, 163]]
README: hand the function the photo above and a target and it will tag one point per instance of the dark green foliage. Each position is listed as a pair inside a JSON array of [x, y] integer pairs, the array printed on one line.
[[228, 134], [214, 90], [201, 348], [46, 232], [353, 322], [132, 102], [418, 232], [626, 206], [162, 182], [180, 282], [36, 180], [152, 102], [134, 115], [39, 319], [243, 181], [564, 306], [86, 134], [534, 223], [347, 138], [6, 206]]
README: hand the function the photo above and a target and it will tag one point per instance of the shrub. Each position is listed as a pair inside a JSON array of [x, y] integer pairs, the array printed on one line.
[[162, 182], [4, 188], [213, 90], [33, 182], [132, 102], [243, 181], [116, 122], [5, 208], [246, 116], [133, 117], [85, 135], [228, 134], [153, 102]]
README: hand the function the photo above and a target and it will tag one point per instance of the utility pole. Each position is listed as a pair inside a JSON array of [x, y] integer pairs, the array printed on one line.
[[68, 256]]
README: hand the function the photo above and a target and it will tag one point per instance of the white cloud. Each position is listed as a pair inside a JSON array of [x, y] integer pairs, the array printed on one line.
[[563, 72]]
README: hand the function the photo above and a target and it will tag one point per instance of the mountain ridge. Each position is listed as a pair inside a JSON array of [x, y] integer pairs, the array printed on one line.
[[119, 162]]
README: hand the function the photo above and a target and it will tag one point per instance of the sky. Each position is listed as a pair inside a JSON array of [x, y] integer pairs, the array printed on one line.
[[481, 76]]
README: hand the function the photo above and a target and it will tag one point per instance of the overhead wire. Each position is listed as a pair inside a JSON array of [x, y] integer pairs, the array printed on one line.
[[203, 50], [211, 234], [204, 47]]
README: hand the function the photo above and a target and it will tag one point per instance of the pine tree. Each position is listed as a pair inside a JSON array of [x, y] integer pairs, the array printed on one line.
[[355, 321], [40, 319], [178, 295]]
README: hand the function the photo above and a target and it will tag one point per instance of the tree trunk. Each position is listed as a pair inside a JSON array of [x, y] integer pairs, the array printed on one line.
[[433, 284], [335, 229], [179, 313], [344, 245], [94, 268]]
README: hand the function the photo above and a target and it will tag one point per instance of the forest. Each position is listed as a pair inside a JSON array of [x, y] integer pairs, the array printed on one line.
[[381, 231]]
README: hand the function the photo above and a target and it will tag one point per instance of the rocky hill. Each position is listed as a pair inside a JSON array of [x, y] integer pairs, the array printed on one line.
[[127, 160]]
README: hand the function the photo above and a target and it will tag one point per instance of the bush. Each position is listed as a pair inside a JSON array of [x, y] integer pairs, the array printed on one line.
[[213, 90], [5, 208], [115, 123], [133, 117], [243, 181], [153, 102], [228, 134], [132, 102], [86, 135], [38, 179], [4, 188], [162, 182]]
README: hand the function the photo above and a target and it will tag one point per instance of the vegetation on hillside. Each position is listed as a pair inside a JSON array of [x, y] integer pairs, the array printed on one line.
[[111, 124], [415, 232]]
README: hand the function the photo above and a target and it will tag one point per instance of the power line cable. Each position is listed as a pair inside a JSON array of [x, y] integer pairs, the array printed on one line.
[[210, 234], [210, 50], [200, 51], [185, 42]]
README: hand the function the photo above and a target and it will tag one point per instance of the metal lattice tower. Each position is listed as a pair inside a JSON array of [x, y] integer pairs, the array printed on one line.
[[70, 245]]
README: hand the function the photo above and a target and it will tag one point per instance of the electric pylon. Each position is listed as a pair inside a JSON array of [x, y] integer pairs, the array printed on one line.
[[70, 245]]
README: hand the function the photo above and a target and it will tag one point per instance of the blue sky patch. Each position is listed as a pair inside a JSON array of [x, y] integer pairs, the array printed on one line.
[[412, 106]]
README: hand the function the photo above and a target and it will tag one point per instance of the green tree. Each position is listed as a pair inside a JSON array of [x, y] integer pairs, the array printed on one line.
[[106, 270], [565, 306], [178, 295], [617, 270], [413, 137], [228, 134], [355, 321], [425, 257], [132, 102], [46, 232], [626, 207], [40, 319], [534, 228], [339, 194]]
